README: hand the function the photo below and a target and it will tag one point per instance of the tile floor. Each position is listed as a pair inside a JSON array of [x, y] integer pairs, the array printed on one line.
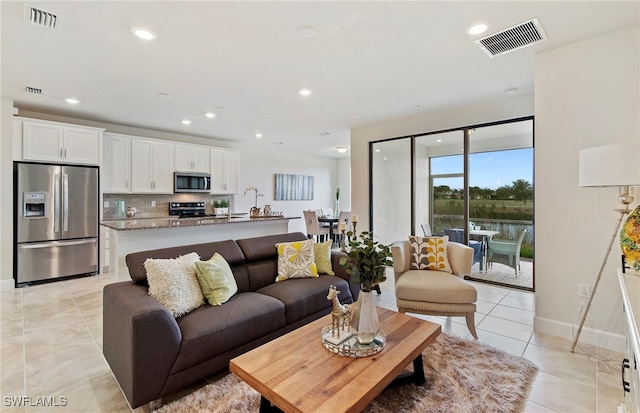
[[51, 347], [502, 273]]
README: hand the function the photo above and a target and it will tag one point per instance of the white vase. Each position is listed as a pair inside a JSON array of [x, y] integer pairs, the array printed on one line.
[[365, 323]]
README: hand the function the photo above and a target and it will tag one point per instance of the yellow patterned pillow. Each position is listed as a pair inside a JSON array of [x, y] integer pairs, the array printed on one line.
[[296, 260], [429, 253]]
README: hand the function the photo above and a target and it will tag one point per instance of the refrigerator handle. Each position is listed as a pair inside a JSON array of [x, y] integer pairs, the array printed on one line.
[[56, 204], [65, 203]]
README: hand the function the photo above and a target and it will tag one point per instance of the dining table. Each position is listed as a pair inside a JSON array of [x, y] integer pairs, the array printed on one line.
[[485, 234]]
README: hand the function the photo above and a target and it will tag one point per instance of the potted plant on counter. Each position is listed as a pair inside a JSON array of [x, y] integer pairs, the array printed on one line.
[[220, 207], [366, 262]]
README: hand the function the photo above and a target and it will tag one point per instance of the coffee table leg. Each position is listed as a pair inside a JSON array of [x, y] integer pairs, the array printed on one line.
[[418, 370], [417, 377], [267, 407]]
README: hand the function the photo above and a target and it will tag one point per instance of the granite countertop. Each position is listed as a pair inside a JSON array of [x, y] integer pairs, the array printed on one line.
[[174, 222]]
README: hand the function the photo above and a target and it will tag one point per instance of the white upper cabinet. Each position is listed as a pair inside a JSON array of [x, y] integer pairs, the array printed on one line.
[[152, 166], [116, 170], [55, 142], [225, 166], [192, 158]]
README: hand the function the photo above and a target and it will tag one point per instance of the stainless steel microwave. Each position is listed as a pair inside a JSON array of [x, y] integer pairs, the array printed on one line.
[[191, 182]]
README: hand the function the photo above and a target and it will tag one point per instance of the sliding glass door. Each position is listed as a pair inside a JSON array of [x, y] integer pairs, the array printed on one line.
[[478, 196]]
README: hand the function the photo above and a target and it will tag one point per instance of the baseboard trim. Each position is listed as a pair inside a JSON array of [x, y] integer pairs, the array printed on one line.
[[591, 336], [7, 285]]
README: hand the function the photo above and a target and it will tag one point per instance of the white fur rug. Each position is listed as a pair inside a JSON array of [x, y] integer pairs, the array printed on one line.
[[462, 377]]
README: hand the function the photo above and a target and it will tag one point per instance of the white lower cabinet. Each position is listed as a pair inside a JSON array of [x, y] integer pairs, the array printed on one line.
[[630, 288]]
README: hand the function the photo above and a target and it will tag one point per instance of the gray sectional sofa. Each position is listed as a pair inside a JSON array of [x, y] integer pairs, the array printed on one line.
[[151, 353]]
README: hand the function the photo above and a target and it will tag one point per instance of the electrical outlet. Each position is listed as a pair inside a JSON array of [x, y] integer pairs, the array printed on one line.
[[106, 204], [583, 290], [153, 203]]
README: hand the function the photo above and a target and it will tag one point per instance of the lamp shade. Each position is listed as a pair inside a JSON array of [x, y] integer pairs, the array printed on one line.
[[610, 165]]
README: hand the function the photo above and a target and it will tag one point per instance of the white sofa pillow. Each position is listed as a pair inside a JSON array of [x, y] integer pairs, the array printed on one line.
[[173, 282]]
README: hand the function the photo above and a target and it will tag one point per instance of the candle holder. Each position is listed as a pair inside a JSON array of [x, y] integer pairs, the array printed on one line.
[[354, 223]]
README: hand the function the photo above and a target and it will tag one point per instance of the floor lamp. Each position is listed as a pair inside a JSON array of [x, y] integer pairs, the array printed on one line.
[[610, 165]]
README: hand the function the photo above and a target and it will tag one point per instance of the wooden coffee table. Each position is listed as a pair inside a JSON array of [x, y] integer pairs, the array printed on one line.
[[296, 373]]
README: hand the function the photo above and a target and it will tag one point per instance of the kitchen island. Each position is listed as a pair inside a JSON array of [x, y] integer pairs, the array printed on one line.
[[140, 234]]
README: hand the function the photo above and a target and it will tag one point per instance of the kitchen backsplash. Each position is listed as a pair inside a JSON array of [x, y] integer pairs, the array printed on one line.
[[142, 203]]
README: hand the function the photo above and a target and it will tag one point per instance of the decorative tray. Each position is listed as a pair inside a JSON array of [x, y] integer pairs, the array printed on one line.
[[350, 346]]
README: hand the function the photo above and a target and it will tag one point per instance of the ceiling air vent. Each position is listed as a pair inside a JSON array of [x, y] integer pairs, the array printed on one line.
[[41, 17], [33, 90], [514, 38]]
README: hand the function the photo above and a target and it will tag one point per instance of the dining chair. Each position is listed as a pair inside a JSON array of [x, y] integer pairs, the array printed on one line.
[[313, 226], [457, 235], [342, 217], [506, 247], [426, 230]]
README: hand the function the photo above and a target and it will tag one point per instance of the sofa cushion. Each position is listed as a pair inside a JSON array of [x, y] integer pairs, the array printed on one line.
[[307, 296], [174, 284], [429, 253], [322, 257], [261, 248], [216, 280], [296, 260], [210, 331], [228, 249], [434, 287]]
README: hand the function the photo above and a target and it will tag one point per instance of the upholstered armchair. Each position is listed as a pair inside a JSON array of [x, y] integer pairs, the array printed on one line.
[[433, 292]]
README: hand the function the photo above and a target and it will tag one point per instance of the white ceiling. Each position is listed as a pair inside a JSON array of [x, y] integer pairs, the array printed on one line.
[[368, 61]]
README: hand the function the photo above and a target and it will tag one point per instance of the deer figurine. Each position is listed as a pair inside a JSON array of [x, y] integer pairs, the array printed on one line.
[[341, 314]]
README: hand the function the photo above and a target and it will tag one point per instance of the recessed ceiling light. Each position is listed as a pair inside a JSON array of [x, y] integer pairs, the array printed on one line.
[[186, 122], [164, 95], [511, 90], [264, 119], [306, 31], [72, 101], [324, 133], [341, 149], [221, 108], [258, 135], [210, 115], [438, 140], [377, 150], [305, 92], [278, 143], [143, 33], [477, 28]]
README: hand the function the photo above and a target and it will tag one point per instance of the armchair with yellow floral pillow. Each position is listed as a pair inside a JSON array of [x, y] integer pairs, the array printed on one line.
[[429, 280]]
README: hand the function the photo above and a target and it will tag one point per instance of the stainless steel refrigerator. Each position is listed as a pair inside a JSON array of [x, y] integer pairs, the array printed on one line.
[[55, 221]]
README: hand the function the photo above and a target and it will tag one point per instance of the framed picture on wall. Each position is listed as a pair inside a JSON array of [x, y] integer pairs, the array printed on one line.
[[294, 187]]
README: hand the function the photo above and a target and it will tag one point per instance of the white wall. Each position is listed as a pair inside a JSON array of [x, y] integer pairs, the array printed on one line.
[[6, 194], [258, 167], [508, 108], [259, 162], [587, 94]]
